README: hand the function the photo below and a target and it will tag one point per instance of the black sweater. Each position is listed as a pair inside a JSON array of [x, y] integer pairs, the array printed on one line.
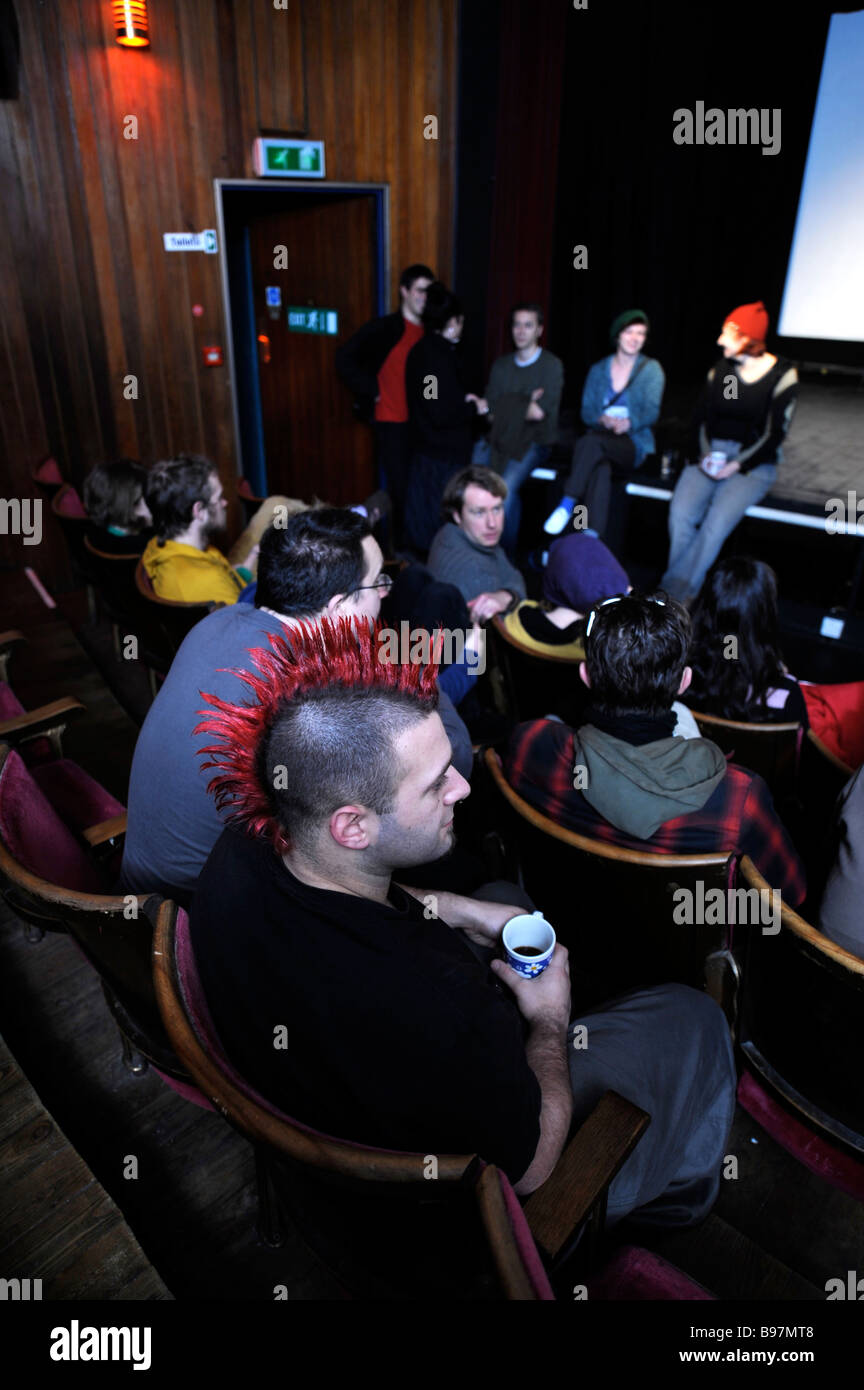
[[441, 422], [758, 416]]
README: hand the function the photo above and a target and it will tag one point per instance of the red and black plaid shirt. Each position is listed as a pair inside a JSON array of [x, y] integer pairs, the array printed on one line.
[[738, 817]]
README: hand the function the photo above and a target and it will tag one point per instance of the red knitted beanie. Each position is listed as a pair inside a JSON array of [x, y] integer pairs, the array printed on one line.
[[751, 319]]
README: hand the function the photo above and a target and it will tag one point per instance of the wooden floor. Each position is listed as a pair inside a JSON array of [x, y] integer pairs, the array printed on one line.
[[57, 1224], [777, 1232]]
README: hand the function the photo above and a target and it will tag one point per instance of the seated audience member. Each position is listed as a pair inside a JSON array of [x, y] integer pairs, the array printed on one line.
[[737, 450], [840, 914], [467, 550], [422, 602], [120, 520], [645, 789], [322, 563], [620, 402], [188, 504], [739, 600], [336, 776], [580, 572]]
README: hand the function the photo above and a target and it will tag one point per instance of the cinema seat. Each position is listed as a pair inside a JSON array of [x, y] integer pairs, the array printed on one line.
[[164, 623], [371, 1214], [526, 685], [802, 1024], [612, 907], [631, 1274], [771, 750], [60, 834]]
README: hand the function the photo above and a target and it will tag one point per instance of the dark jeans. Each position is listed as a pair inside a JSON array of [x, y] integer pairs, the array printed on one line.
[[427, 480], [393, 454], [667, 1050], [598, 456]]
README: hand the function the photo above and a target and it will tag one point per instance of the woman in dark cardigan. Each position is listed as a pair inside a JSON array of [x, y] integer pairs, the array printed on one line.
[[442, 413]]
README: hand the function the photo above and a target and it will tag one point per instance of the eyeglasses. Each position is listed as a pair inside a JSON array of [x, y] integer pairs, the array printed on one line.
[[617, 599], [384, 581]]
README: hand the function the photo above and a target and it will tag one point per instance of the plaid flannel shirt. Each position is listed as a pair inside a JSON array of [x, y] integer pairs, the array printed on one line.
[[738, 817]]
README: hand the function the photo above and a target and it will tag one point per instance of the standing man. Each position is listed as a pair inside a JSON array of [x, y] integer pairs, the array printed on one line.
[[524, 394], [372, 364]]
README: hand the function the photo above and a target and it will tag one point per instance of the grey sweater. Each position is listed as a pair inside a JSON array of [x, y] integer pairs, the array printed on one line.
[[475, 569]]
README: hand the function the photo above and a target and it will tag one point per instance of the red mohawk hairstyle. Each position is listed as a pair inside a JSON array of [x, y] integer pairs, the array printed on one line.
[[313, 658]]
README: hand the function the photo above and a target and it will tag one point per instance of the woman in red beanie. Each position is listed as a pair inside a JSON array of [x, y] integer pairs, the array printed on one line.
[[742, 417]]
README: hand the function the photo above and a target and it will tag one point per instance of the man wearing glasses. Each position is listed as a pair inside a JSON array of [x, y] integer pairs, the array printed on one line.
[[467, 551], [324, 563]]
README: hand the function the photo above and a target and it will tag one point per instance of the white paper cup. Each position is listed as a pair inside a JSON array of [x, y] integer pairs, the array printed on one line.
[[532, 930]]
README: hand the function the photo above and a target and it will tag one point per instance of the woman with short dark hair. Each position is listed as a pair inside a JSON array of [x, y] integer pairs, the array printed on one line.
[[441, 410], [620, 402], [120, 520]]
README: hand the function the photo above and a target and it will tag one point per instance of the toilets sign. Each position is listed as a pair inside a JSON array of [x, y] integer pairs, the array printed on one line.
[[293, 159], [191, 241]]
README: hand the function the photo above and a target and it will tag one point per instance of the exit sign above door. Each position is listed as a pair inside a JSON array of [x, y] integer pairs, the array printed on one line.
[[302, 320], [297, 159]]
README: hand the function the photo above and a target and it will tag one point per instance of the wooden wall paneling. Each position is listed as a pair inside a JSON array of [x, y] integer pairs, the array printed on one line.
[[171, 206], [88, 295], [279, 65], [63, 239], [204, 96], [134, 422], [96, 167], [28, 216], [84, 334], [130, 74]]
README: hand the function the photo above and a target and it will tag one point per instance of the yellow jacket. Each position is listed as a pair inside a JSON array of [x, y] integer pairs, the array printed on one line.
[[190, 575]]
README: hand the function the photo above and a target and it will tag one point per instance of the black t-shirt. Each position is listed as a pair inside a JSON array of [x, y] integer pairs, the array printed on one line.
[[397, 1035]]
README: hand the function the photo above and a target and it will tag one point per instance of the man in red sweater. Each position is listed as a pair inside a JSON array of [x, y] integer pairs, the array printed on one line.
[[372, 363]]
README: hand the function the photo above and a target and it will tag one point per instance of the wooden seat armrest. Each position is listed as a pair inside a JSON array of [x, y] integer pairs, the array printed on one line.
[[594, 1156], [47, 719], [106, 830]]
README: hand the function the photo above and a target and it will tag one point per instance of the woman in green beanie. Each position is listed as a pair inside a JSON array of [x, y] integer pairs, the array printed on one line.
[[620, 402]]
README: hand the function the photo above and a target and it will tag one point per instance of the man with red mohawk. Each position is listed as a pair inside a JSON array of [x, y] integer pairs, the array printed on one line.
[[403, 1033]]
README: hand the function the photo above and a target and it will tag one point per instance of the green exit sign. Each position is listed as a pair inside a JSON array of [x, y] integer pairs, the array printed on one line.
[[297, 159], [301, 320]]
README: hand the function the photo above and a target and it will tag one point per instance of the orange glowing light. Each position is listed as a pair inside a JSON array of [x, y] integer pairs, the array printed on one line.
[[131, 24]]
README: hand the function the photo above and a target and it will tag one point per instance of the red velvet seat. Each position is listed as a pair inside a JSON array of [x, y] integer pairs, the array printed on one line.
[[55, 821], [47, 474]]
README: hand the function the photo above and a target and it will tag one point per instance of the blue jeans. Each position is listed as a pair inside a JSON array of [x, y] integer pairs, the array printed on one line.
[[514, 474], [702, 513]]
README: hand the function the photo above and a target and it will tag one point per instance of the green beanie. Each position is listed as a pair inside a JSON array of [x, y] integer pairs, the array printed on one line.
[[624, 320]]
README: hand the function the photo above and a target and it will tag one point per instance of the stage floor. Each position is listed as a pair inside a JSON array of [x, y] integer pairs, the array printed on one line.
[[824, 452]]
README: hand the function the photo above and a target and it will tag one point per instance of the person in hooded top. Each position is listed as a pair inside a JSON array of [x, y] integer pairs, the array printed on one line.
[[643, 788], [581, 571]]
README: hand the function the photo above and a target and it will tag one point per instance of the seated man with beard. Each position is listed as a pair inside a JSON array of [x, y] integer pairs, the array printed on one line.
[[336, 772], [188, 505]]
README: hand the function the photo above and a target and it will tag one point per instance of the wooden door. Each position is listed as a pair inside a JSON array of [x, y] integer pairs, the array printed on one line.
[[313, 444]]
